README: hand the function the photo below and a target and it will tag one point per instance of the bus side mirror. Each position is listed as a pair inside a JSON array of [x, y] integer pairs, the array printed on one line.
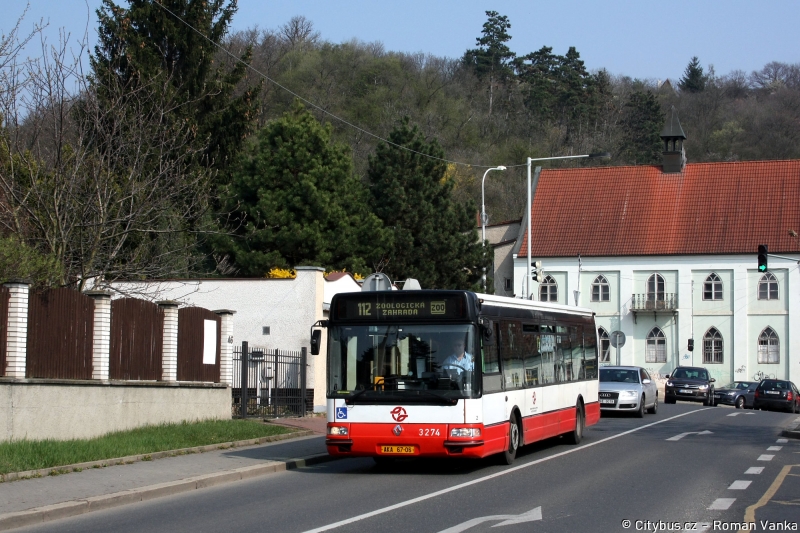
[[316, 338], [487, 332]]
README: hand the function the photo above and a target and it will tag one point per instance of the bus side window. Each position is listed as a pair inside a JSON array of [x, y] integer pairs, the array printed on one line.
[[578, 362], [532, 358], [590, 351], [489, 360], [492, 381], [510, 349]]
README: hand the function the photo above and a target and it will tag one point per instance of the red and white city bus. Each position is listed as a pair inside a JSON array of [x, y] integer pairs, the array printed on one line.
[[529, 373]]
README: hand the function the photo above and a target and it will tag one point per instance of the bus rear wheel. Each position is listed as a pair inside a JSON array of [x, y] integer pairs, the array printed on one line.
[[514, 440], [575, 436]]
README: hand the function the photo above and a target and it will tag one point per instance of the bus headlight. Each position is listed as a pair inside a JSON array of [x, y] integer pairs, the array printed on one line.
[[465, 432], [337, 430]]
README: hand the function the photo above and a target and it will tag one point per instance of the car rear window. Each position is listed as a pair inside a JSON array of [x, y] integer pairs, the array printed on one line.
[[769, 384]]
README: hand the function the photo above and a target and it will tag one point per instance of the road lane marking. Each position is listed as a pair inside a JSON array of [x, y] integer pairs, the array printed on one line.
[[765, 457], [737, 414], [721, 504], [509, 519], [490, 476], [739, 485], [679, 437], [750, 512], [782, 441], [755, 470], [774, 448]]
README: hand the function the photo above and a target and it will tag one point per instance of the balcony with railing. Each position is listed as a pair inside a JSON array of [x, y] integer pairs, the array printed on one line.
[[665, 302]]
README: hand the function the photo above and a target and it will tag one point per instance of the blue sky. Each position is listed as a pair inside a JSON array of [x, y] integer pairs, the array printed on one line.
[[639, 38]]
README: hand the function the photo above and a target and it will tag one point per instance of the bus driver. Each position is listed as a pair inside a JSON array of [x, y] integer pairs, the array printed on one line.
[[459, 361]]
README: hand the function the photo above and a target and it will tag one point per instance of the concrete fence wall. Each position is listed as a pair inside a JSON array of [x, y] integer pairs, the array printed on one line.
[[62, 410]]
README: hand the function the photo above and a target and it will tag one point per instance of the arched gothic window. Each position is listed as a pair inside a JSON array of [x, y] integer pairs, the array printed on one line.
[[712, 288], [769, 346], [768, 287], [656, 347], [600, 292], [548, 290], [605, 346], [712, 346]]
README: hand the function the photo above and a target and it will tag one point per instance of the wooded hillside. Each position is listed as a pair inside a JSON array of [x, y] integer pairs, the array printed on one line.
[[173, 158]]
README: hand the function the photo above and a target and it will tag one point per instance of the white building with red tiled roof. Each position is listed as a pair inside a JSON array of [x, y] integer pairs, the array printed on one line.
[[668, 254]]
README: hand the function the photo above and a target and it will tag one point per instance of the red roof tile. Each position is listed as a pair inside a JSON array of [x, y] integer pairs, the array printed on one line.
[[709, 208]]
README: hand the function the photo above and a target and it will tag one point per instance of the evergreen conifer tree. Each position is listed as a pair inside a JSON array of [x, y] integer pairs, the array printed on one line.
[[434, 239], [641, 126], [296, 202], [693, 80], [146, 44]]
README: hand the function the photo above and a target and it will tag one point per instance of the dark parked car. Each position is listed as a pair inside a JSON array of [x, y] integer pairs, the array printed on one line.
[[777, 394], [738, 393], [690, 383]]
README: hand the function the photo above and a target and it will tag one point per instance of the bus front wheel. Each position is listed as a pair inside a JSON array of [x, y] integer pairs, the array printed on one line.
[[575, 436], [514, 440]]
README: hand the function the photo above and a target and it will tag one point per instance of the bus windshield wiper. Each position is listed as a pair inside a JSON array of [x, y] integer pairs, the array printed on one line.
[[445, 400], [354, 395]]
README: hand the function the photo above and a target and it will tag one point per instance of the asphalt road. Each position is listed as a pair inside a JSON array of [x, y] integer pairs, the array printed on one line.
[[688, 468]]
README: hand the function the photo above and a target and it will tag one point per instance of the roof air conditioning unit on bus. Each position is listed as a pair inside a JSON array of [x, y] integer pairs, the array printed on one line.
[[411, 284]]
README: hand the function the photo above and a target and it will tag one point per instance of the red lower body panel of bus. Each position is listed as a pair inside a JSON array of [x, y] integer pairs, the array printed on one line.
[[416, 440], [435, 440]]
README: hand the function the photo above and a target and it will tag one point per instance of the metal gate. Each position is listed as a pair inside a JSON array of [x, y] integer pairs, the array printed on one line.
[[274, 383]]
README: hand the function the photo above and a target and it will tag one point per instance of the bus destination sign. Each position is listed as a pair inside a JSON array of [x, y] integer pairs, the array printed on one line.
[[392, 308]]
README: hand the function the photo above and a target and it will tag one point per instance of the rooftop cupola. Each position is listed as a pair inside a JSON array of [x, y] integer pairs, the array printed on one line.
[[673, 137]]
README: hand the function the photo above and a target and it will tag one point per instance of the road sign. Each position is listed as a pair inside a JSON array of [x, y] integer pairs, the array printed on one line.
[[617, 339]]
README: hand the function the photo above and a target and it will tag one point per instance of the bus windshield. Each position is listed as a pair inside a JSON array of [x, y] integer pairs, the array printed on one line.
[[410, 362]]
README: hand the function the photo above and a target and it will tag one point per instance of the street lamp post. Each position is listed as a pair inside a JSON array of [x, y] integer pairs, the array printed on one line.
[[603, 155], [483, 216]]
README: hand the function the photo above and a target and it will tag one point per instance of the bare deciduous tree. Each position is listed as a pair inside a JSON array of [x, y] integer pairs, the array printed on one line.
[[106, 186]]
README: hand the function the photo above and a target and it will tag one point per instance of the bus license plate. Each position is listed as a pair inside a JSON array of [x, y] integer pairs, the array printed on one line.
[[397, 449]]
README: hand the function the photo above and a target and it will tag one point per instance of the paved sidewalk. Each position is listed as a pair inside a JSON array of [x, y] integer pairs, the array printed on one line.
[[36, 500]]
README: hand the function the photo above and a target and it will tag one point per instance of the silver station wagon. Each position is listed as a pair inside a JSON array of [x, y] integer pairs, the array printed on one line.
[[627, 388]]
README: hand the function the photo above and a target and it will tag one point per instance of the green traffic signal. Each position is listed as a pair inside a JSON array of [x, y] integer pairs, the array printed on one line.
[[762, 257]]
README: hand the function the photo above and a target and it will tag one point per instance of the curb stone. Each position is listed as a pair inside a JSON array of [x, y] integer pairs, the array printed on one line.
[[68, 509], [66, 469], [792, 430]]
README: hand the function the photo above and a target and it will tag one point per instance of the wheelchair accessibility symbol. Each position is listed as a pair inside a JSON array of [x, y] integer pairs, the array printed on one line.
[[341, 413]]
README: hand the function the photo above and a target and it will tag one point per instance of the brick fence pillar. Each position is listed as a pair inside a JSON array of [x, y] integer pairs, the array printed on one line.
[[101, 344], [17, 337], [226, 346], [169, 356]]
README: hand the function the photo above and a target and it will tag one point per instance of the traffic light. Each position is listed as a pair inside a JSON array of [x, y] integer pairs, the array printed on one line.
[[536, 271], [762, 257], [691, 345]]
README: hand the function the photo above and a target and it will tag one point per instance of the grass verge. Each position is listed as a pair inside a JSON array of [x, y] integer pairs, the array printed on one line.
[[23, 455]]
